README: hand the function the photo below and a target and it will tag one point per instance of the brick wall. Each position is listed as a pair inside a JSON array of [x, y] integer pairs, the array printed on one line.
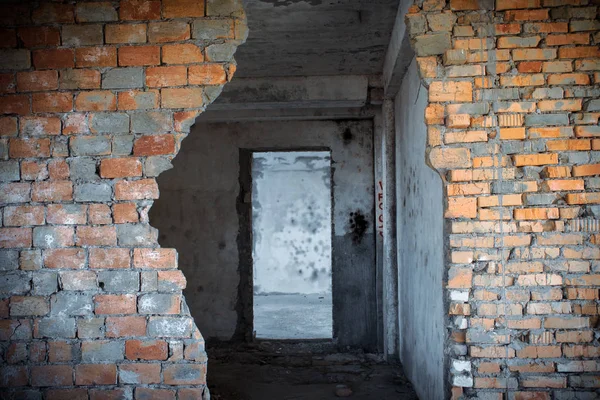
[[513, 129], [95, 100]]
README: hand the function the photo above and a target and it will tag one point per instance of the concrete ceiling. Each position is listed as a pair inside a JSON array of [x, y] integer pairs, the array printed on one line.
[[316, 37]]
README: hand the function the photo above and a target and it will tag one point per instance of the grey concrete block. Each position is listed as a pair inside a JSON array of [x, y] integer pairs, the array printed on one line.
[[497, 94], [46, 237], [78, 280], [512, 147], [149, 281], [90, 328], [154, 166], [575, 157], [151, 122], [100, 351], [83, 169], [416, 24], [593, 183], [169, 327], [14, 59], [60, 147], [157, 303], [96, 12], [45, 283], [93, 192], [3, 149], [14, 283], [210, 94], [136, 235], [209, 29], [123, 78], [595, 156], [220, 52], [508, 187], [433, 44], [224, 8], [31, 260], [546, 119], [531, 173], [472, 108], [71, 304], [56, 328], [548, 93], [119, 281], [123, 145], [109, 123], [9, 260], [9, 171], [541, 199], [90, 145], [82, 35]]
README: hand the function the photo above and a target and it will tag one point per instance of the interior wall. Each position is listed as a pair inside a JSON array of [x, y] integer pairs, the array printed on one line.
[[420, 245], [198, 213]]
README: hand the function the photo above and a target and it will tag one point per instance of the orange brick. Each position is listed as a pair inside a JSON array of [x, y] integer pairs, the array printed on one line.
[[536, 213], [183, 8], [37, 81], [115, 304], [552, 132], [507, 29], [512, 133], [186, 53], [547, 27], [52, 102], [182, 98], [465, 137], [461, 207], [139, 10], [120, 167], [466, 189], [579, 52], [573, 38], [434, 114], [207, 74], [138, 100], [583, 198], [563, 184], [539, 352], [533, 54], [125, 33], [168, 31], [557, 66], [535, 159], [560, 105], [125, 213], [586, 170], [528, 67], [457, 91], [522, 80], [587, 131], [568, 79], [139, 55], [96, 57], [526, 15], [166, 76], [569, 145]]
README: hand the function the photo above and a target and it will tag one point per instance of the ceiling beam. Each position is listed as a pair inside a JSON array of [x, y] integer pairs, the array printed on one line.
[[399, 53]]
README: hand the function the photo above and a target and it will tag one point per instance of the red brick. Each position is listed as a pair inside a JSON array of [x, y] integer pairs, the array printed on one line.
[[54, 58], [141, 373], [8, 38], [37, 81], [99, 214], [52, 375], [15, 237], [54, 13], [109, 258], [60, 352], [75, 123], [183, 8], [52, 191], [154, 394], [172, 279], [152, 145], [131, 10], [130, 33], [578, 52], [186, 53], [80, 79], [136, 190], [95, 374], [96, 236], [15, 104], [39, 36], [182, 98], [120, 168], [138, 99], [59, 214], [155, 258], [125, 213], [24, 215], [125, 326], [8, 126], [52, 102], [166, 76], [139, 55], [7, 83], [526, 15], [100, 100], [146, 350], [64, 258], [71, 394], [115, 304], [29, 148], [96, 57], [528, 67], [58, 169], [207, 74], [109, 394], [34, 170]]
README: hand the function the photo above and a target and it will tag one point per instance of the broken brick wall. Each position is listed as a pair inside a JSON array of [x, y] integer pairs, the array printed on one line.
[[96, 97], [513, 129]]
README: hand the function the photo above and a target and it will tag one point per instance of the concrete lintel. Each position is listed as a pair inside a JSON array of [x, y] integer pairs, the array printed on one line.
[[287, 114], [294, 92], [399, 53]]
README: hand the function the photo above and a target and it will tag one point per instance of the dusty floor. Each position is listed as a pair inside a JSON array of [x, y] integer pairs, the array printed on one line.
[[301, 371], [293, 316]]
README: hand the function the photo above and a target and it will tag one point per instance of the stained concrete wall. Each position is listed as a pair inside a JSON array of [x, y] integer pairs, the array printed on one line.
[[420, 245], [291, 222], [199, 214]]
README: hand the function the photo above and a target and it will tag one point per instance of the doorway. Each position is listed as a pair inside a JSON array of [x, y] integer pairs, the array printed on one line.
[[291, 245]]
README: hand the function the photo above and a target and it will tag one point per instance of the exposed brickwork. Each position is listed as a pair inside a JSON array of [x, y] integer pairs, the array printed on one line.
[[95, 100], [513, 121]]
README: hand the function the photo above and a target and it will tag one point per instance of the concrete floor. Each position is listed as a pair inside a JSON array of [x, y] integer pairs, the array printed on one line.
[[271, 370], [293, 316]]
